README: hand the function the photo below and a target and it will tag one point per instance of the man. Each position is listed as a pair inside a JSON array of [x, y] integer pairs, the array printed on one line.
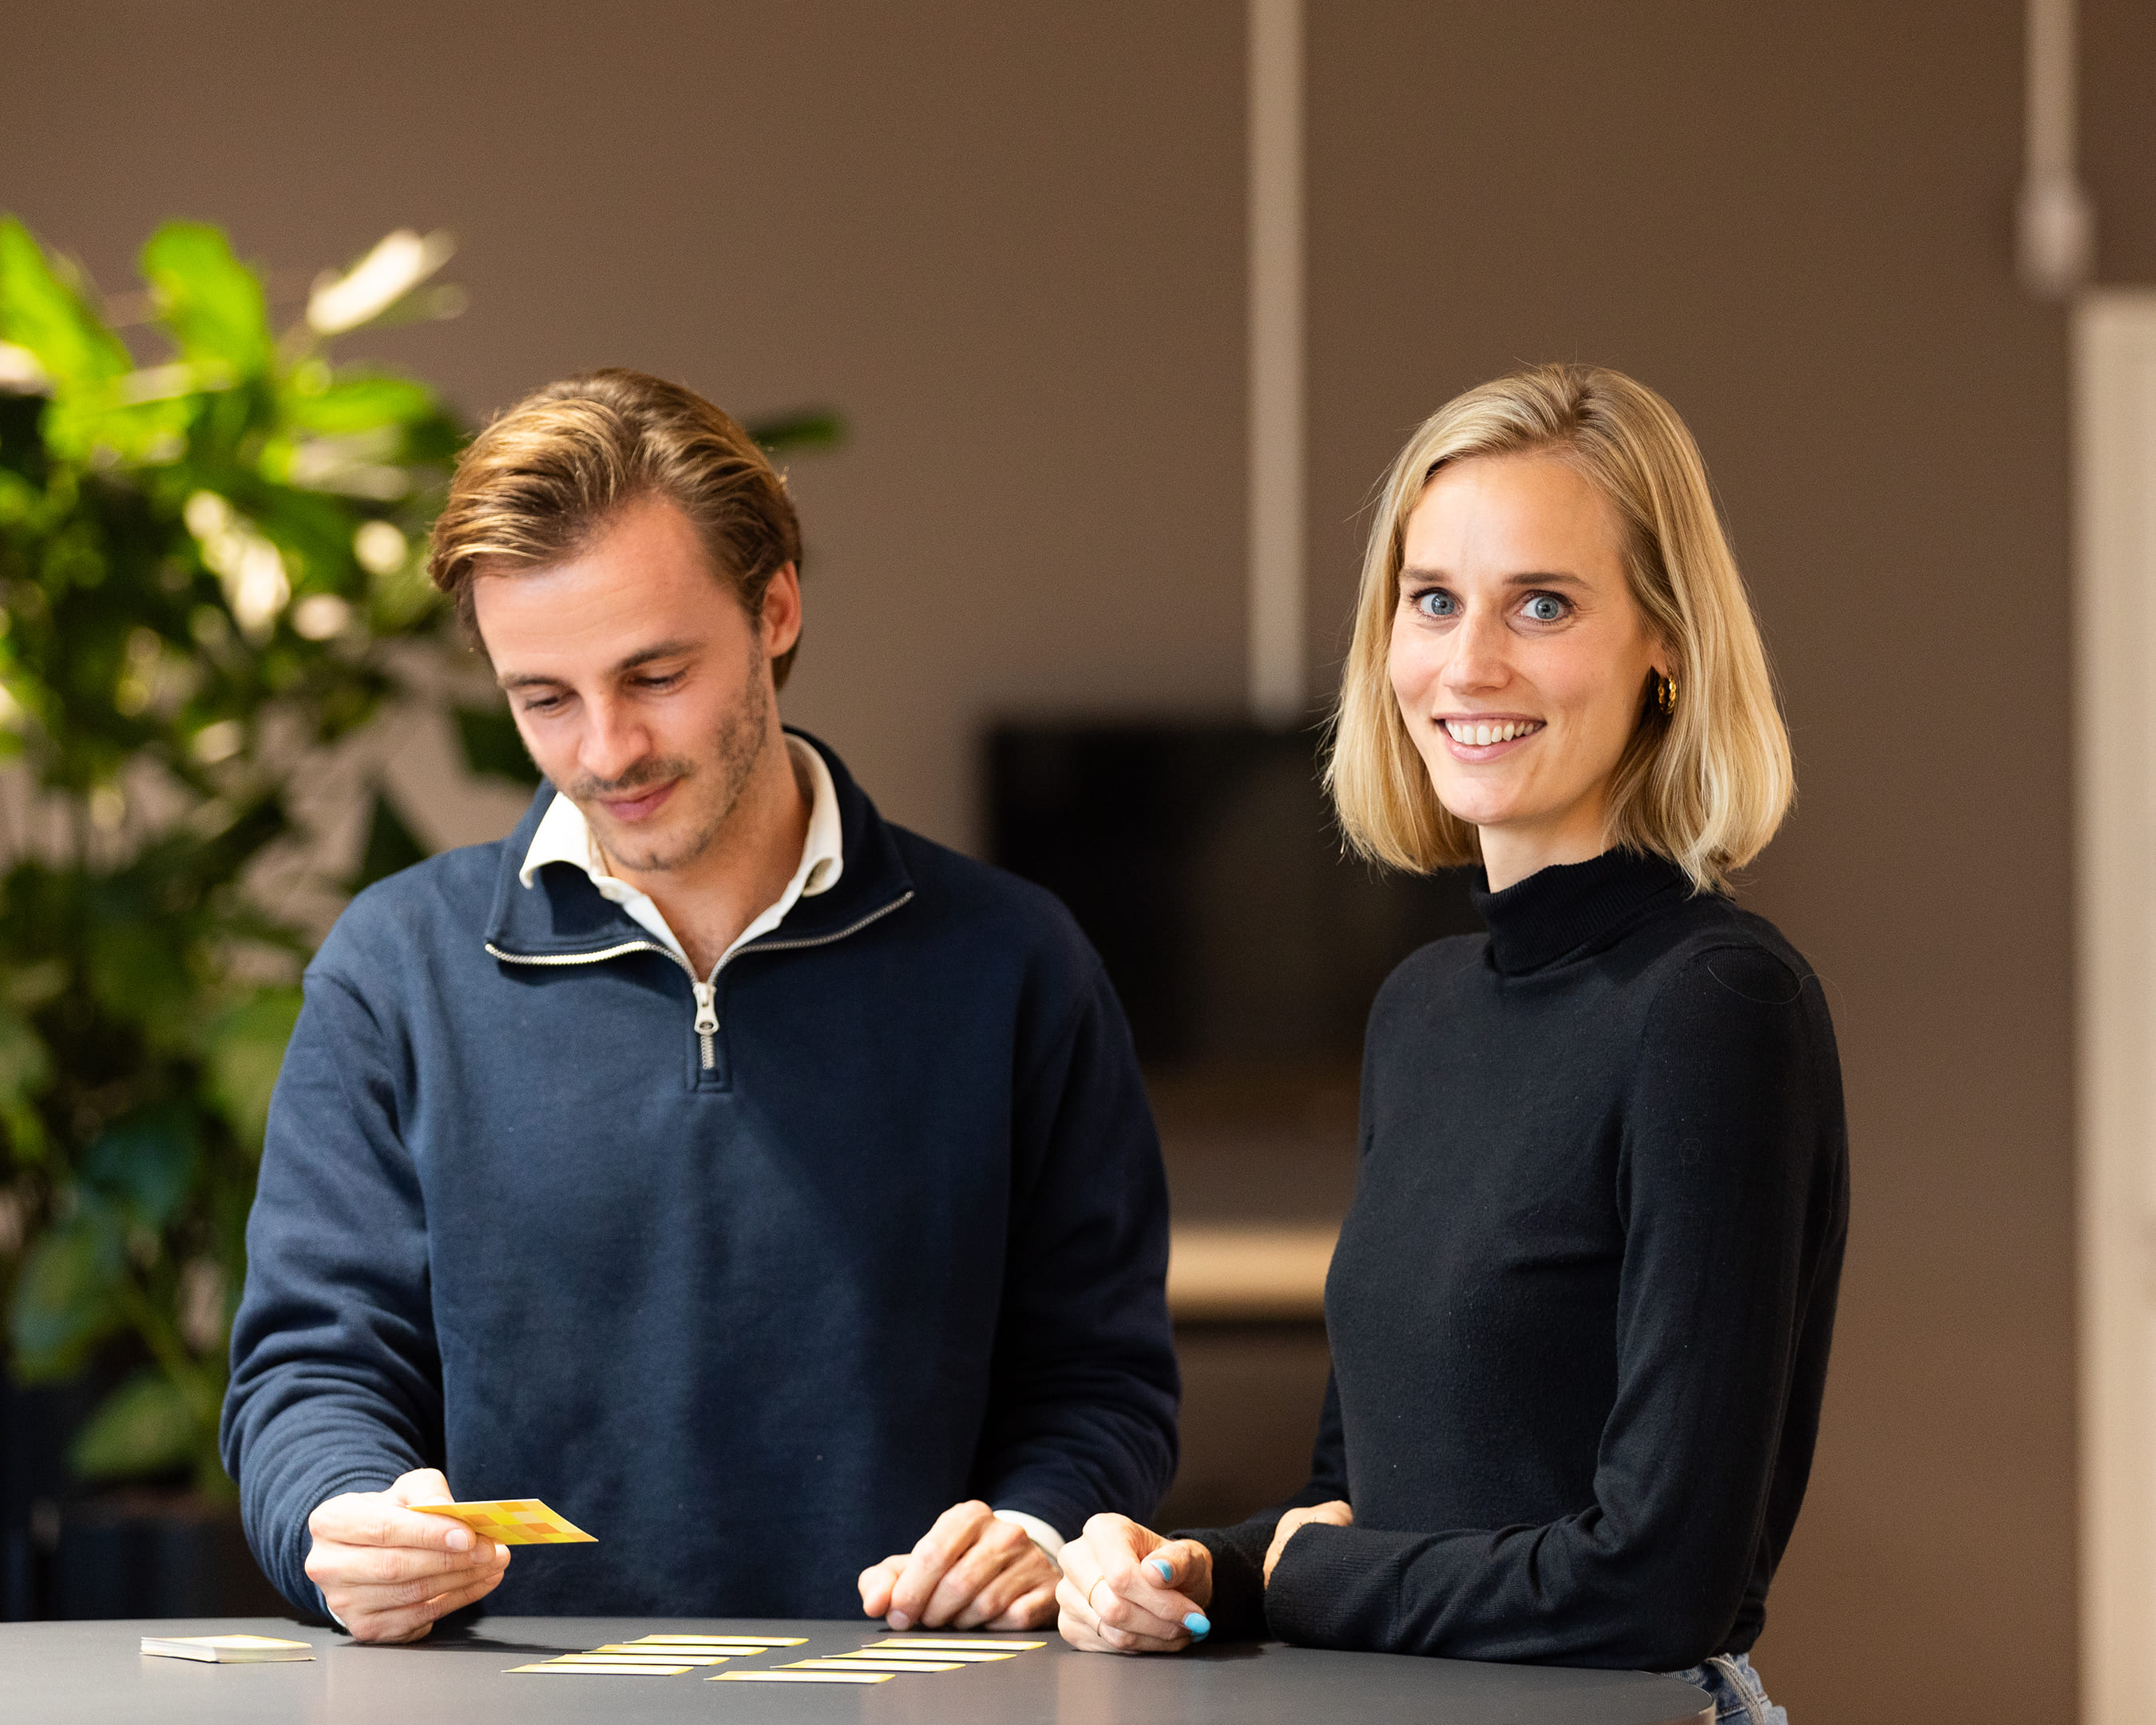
[[763, 1187]]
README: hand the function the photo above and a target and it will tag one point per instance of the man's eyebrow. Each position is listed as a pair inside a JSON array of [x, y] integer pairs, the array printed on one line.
[[642, 655], [663, 650]]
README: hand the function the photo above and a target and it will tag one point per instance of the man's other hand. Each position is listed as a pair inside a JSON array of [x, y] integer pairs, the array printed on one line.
[[387, 1571], [970, 1571]]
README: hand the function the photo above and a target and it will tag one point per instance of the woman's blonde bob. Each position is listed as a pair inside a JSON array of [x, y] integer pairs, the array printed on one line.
[[1705, 787]]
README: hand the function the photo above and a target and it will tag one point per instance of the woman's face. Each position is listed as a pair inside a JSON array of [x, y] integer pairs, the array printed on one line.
[[1518, 655]]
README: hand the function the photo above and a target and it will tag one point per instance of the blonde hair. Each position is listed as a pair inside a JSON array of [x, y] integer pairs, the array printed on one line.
[[1705, 787], [536, 484]]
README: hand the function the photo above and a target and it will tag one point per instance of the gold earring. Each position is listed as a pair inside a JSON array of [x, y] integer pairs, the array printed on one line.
[[1666, 694]]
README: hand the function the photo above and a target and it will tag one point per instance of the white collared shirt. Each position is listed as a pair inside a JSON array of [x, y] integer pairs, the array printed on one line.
[[564, 836]]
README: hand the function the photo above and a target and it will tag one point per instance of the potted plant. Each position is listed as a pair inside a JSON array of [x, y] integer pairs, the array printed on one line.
[[203, 552]]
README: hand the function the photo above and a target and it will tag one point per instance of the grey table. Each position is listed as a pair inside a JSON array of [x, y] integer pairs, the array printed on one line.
[[87, 1673]]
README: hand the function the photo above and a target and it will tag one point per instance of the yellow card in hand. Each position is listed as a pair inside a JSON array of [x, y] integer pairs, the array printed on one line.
[[513, 1521]]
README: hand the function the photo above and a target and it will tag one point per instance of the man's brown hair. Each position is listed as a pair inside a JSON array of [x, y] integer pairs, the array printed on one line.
[[535, 485]]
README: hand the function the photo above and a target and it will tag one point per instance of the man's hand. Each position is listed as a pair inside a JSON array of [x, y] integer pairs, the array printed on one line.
[[1125, 1589], [388, 1572], [1335, 1514], [970, 1571]]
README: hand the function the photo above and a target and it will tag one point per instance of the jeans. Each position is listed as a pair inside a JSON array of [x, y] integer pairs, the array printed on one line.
[[1737, 1693]]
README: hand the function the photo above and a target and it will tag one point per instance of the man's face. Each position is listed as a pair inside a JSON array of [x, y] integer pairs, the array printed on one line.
[[641, 686]]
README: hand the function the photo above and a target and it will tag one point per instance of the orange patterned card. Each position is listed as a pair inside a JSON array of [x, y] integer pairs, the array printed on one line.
[[513, 1521]]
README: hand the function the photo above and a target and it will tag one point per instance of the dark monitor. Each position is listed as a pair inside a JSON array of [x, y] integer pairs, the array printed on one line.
[[1204, 863]]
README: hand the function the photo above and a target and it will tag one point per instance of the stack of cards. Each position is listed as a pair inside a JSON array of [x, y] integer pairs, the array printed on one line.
[[228, 1649], [879, 1662], [657, 1655], [513, 1521]]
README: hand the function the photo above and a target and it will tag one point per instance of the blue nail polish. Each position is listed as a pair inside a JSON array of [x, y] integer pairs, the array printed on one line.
[[1199, 1624], [1160, 1568]]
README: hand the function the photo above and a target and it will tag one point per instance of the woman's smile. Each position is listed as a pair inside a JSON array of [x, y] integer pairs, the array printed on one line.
[[1476, 737]]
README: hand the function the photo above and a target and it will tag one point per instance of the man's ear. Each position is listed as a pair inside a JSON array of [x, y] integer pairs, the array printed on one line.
[[780, 619]]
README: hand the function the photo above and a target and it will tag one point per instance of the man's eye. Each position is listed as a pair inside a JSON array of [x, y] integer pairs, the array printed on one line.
[[1437, 602], [665, 682], [542, 704], [1545, 607]]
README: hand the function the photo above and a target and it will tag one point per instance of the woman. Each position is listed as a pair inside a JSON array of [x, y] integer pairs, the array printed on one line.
[[1581, 1307]]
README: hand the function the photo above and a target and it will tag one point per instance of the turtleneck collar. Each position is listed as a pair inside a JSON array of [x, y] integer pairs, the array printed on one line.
[[1569, 907]]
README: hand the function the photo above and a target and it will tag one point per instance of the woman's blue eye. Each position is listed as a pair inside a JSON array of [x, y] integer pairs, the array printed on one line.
[[1437, 603], [1545, 607]]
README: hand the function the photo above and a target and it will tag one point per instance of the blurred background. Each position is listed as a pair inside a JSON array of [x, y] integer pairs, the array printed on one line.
[[1066, 283]]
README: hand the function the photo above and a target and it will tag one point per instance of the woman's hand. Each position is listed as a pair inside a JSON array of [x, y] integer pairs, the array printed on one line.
[[1125, 1589], [1335, 1514]]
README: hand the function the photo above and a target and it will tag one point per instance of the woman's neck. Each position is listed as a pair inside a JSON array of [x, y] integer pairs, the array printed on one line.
[[1513, 851]]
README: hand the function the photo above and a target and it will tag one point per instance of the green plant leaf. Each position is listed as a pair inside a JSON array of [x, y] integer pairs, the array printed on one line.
[[64, 1303], [492, 745], [139, 975], [24, 1064], [41, 310], [147, 1426], [147, 1160], [246, 1052], [358, 402], [813, 428], [390, 846], [211, 302]]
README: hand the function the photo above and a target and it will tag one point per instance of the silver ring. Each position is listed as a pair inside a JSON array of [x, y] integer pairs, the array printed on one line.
[[1097, 1580]]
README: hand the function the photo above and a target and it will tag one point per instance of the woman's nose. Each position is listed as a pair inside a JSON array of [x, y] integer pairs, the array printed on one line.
[[1478, 660]]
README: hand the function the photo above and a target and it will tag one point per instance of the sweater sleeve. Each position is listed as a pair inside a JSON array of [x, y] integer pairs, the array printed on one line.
[[335, 1382], [1728, 1163], [1083, 1384], [1237, 1610]]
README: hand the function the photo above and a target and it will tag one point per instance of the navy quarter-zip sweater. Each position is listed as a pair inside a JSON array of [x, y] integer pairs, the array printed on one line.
[[754, 1318], [1582, 1303]]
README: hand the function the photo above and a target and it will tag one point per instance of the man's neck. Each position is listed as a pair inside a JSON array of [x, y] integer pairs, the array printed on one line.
[[708, 902]]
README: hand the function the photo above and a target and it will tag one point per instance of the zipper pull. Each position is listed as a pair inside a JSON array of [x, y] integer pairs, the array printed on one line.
[[707, 1013]]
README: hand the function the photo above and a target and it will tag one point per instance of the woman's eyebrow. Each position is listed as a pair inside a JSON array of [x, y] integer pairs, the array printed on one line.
[[1526, 577]]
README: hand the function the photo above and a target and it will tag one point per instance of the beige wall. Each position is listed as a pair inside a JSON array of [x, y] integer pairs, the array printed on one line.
[[1006, 241], [1794, 221]]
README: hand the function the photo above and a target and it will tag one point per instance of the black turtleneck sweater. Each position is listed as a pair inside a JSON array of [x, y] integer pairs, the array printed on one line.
[[1581, 1306]]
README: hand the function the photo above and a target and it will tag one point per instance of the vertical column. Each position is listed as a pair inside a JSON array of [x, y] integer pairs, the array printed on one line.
[[2115, 981], [1279, 667]]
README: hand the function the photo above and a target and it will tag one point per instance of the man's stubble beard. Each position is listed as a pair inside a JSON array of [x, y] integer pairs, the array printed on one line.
[[743, 735]]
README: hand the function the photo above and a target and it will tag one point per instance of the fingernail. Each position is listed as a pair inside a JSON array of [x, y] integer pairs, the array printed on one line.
[[460, 1541], [1160, 1566], [899, 1620], [502, 1553], [1199, 1624]]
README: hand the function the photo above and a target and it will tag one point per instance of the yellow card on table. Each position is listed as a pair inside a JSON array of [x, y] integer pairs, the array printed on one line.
[[228, 1649], [928, 1656], [855, 1663], [695, 1655], [578, 1668], [513, 1521], [746, 1643], [946, 1643], [783, 1676]]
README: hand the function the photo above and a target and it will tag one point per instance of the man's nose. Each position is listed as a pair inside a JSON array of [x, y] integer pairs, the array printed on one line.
[[612, 741]]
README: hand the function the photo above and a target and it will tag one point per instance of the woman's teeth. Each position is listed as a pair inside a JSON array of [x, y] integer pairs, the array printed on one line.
[[1481, 735]]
